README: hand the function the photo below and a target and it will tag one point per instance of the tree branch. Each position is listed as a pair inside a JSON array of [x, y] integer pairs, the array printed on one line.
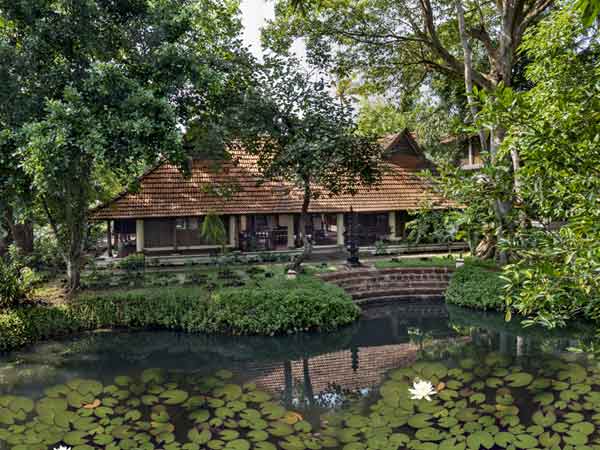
[[483, 36], [455, 65], [531, 15]]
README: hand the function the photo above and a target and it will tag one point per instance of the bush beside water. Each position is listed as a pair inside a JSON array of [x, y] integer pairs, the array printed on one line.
[[15, 284], [275, 307], [280, 306], [476, 286]]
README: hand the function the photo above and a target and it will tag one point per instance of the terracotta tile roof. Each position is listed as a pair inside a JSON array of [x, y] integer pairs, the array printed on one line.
[[164, 192], [408, 137]]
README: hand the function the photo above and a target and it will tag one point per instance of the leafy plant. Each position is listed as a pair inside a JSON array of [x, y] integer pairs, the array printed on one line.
[[213, 230], [107, 87], [133, 263], [380, 248], [556, 277], [271, 306], [278, 306], [476, 287], [15, 284], [313, 142], [432, 226]]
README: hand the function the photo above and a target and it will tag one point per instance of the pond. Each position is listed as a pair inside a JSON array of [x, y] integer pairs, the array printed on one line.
[[494, 386]]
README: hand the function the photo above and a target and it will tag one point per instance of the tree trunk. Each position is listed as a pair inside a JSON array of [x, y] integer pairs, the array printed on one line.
[[71, 239], [502, 208], [503, 71], [21, 233], [304, 218], [308, 387], [73, 273], [288, 390], [468, 57], [74, 258]]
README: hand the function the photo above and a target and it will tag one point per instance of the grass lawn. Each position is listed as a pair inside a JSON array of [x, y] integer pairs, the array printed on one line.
[[435, 261], [212, 277]]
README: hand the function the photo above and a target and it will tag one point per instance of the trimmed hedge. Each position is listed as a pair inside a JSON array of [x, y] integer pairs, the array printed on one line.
[[279, 306], [476, 286], [157, 308], [276, 307]]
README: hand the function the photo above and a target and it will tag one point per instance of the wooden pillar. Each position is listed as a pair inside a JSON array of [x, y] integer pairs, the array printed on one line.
[[470, 156], [109, 239], [392, 223], [232, 232], [175, 234], [287, 220], [243, 223], [340, 229], [139, 235]]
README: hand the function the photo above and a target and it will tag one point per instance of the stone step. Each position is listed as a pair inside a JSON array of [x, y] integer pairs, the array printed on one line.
[[386, 300], [435, 278], [394, 285], [400, 292], [371, 272], [400, 271]]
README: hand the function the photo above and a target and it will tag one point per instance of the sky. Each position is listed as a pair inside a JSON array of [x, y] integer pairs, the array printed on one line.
[[255, 13]]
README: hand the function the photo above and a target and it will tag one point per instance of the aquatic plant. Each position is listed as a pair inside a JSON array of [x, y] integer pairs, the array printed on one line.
[[421, 390], [486, 401]]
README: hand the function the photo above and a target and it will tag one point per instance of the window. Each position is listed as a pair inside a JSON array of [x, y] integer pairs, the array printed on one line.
[[192, 223], [187, 223]]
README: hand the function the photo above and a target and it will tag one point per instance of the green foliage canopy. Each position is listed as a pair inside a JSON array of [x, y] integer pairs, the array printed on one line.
[[555, 275], [109, 87]]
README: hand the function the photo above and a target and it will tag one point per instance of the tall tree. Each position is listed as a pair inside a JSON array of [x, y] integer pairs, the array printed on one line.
[[307, 137], [110, 87], [554, 127], [401, 45]]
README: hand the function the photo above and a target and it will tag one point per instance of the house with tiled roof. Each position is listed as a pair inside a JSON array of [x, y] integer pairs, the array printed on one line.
[[165, 213], [467, 149]]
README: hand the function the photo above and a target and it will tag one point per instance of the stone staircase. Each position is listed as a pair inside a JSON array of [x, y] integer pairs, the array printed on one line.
[[390, 285]]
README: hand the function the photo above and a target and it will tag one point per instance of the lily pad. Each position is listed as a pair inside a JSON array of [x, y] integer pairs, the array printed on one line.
[[519, 379], [174, 397]]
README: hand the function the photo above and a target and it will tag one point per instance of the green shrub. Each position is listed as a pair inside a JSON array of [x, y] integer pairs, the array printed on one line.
[[483, 263], [278, 306], [29, 324], [476, 287], [555, 277], [133, 263], [15, 284], [432, 226], [46, 255]]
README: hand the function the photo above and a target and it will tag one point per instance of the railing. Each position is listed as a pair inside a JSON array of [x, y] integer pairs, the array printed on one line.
[[263, 240], [323, 237], [277, 238], [370, 235]]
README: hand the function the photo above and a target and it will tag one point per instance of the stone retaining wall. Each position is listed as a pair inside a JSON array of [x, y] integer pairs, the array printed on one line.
[[373, 285]]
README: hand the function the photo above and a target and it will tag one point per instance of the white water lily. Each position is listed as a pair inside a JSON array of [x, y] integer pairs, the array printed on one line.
[[62, 448], [422, 390]]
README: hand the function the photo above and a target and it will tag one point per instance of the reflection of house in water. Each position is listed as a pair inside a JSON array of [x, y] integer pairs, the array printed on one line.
[[382, 342]]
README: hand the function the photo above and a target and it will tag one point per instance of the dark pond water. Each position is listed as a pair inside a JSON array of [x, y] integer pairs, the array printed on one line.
[[495, 386]]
